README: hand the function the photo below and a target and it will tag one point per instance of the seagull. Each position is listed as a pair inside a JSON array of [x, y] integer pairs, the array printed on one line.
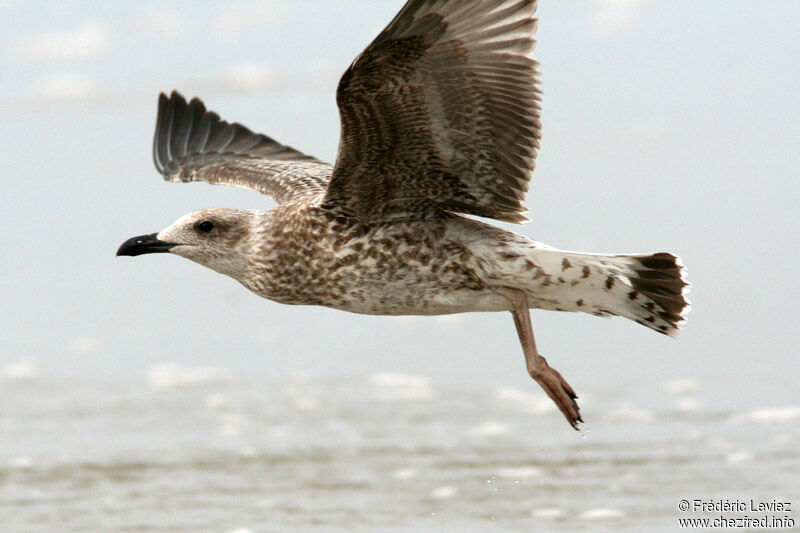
[[440, 120]]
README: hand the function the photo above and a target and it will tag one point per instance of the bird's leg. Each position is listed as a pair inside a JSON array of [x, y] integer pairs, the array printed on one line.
[[550, 380]]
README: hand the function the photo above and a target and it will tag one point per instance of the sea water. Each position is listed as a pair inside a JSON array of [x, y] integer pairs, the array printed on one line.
[[179, 448]]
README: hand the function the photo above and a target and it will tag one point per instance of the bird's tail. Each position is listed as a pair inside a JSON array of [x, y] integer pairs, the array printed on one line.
[[657, 298], [650, 289]]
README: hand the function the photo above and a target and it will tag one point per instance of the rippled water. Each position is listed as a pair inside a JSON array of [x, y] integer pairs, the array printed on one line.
[[198, 449]]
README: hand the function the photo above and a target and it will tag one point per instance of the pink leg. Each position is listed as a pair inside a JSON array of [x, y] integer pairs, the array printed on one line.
[[550, 380]]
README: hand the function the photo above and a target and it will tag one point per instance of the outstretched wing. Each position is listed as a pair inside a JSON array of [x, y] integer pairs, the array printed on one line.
[[440, 112], [192, 144]]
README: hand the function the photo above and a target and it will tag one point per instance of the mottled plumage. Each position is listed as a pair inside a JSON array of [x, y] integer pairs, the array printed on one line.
[[439, 118], [440, 112]]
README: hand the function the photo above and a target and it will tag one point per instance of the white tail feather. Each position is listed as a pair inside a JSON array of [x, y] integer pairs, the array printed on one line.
[[649, 289]]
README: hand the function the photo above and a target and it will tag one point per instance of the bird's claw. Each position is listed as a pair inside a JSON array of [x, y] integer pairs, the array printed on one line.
[[559, 391]]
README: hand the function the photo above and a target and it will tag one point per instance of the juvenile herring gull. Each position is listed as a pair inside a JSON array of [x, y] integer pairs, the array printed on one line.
[[439, 119]]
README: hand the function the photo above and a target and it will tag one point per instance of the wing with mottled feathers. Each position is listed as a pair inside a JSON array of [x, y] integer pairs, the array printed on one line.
[[440, 112], [192, 144]]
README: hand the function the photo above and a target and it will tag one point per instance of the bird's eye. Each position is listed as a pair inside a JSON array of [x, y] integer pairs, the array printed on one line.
[[204, 226]]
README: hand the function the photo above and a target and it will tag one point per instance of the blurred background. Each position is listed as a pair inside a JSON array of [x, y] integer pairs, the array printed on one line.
[[155, 383]]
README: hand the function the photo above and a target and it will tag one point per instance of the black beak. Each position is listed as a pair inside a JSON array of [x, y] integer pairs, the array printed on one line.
[[145, 244]]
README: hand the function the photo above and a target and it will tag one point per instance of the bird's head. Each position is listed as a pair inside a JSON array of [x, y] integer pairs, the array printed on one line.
[[215, 238]]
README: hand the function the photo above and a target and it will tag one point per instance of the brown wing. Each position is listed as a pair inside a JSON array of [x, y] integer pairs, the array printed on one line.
[[192, 144], [440, 112]]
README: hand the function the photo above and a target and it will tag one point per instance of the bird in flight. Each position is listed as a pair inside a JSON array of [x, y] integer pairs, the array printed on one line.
[[440, 118]]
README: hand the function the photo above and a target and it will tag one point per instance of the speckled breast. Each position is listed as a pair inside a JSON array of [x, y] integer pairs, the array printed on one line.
[[310, 256]]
